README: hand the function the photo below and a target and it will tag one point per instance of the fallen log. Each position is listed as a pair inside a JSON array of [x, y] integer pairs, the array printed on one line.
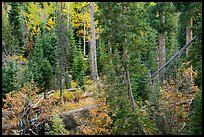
[[72, 89], [67, 117]]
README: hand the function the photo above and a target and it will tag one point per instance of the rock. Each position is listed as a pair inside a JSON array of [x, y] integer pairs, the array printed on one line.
[[69, 121]]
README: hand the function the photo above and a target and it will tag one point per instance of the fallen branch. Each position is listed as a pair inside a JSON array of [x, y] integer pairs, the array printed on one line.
[[72, 89], [49, 93], [174, 56], [183, 102]]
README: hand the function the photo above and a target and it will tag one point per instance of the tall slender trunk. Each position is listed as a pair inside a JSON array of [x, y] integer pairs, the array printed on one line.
[[68, 8], [161, 51], [110, 48], [84, 37], [189, 36], [126, 69], [127, 76], [189, 33], [61, 49], [94, 71]]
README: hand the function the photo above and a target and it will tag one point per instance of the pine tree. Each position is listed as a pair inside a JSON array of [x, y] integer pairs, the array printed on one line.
[[9, 40], [39, 68], [10, 82], [78, 66], [15, 21], [160, 20]]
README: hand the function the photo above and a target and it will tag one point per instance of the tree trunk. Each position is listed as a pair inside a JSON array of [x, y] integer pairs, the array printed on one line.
[[94, 71], [84, 38], [189, 33], [127, 76], [61, 49], [161, 50], [110, 48], [125, 63], [68, 13]]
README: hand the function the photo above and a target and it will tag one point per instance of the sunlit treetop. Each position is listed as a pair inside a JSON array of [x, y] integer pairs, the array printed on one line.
[[36, 13]]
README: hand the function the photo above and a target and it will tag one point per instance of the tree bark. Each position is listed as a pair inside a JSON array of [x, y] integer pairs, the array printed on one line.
[[173, 57], [127, 76], [125, 64], [84, 38], [189, 33], [161, 51], [94, 71], [68, 13], [61, 39], [110, 48]]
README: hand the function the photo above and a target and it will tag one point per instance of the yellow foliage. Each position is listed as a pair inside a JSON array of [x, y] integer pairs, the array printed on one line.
[[176, 97], [68, 95], [77, 93], [18, 58], [37, 15], [64, 11], [73, 84], [89, 82], [50, 21], [152, 3]]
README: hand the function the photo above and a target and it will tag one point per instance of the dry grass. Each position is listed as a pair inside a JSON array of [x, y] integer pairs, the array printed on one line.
[[71, 105]]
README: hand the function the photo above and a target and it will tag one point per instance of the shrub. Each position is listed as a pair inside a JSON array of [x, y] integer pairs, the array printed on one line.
[[10, 71], [15, 104], [57, 128], [73, 84], [196, 124], [68, 95], [88, 82], [99, 122]]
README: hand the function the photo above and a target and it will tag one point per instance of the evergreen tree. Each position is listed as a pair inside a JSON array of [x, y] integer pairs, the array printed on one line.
[[196, 124], [39, 68], [9, 40], [15, 21], [160, 18], [78, 66], [10, 82]]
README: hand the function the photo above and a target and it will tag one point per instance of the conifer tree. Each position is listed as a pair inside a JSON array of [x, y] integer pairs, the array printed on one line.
[[15, 21]]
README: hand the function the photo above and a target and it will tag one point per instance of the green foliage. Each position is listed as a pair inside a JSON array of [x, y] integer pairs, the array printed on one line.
[[49, 44], [101, 56], [67, 80], [10, 71], [78, 66], [15, 21], [137, 123], [195, 51], [9, 39], [119, 27], [181, 34], [39, 68], [57, 128], [161, 8], [196, 125]]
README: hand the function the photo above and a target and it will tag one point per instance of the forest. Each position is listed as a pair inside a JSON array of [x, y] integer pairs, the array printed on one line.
[[102, 68]]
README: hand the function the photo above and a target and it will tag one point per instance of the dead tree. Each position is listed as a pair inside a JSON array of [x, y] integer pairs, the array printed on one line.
[[94, 71]]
